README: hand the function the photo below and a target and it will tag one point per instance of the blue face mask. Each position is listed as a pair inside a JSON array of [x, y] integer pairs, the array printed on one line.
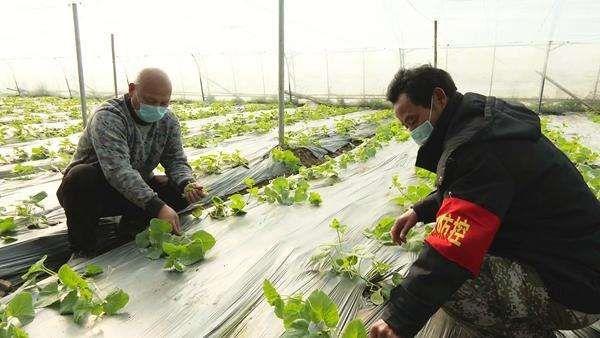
[[421, 133], [151, 114]]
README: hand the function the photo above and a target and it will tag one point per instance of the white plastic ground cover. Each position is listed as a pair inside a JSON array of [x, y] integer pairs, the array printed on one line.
[[222, 295], [16, 257], [252, 147], [578, 125]]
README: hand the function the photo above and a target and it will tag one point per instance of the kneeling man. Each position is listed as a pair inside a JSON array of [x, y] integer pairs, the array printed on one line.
[[112, 171]]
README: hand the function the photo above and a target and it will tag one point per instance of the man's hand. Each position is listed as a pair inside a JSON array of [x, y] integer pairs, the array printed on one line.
[[167, 213], [382, 330], [193, 192], [406, 221]]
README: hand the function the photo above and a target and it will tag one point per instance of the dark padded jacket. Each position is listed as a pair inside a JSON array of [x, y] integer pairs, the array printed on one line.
[[503, 189]]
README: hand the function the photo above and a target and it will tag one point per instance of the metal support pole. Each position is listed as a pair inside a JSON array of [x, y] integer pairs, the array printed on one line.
[[114, 64], [492, 73], [544, 77], [235, 89], [262, 72], [364, 74], [435, 43], [199, 77], [596, 85], [79, 65], [287, 63], [281, 55], [327, 74]]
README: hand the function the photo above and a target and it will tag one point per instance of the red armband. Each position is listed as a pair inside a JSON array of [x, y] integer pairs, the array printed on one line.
[[463, 232]]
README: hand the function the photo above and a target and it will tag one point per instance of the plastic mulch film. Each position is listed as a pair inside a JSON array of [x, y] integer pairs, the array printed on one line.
[[16, 257], [251, 146], [577, 125]]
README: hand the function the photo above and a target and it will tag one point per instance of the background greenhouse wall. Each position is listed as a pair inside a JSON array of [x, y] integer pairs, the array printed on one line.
[[337, 49]]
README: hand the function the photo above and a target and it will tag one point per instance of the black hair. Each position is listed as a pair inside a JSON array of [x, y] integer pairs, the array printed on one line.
[[418, 83]]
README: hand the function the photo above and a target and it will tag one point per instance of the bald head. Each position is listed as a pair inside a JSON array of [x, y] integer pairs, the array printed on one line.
[[152, 86]]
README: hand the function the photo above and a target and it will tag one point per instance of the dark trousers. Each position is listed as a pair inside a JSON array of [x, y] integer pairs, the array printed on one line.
[[86, 196]]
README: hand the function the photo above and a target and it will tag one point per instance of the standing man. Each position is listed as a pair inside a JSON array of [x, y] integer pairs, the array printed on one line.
[[516, 247], [112, 171]]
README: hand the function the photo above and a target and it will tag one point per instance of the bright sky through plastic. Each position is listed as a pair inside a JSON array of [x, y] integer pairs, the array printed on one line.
[[43, 29]]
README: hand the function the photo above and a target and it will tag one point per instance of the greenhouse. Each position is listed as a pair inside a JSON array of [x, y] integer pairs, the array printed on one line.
[[300, 169]]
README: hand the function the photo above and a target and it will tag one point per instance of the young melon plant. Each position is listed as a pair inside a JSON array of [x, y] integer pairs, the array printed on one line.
[[340, 258], [415, 237], [285, 191], [72, 293], [20, 170], [180, 251], [315, 316], [288, 158], [29, 211]]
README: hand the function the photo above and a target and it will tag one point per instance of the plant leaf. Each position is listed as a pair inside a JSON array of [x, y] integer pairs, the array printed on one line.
[[142, 240], [21, 307], [92, 270], [355, 329], [7, 225], [207, 240], [115, 301], [323, 309], [48, 295], [35, 268]]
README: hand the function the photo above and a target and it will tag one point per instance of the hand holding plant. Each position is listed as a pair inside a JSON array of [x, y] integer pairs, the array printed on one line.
[[404, 223], [169, 215], [193, 192]]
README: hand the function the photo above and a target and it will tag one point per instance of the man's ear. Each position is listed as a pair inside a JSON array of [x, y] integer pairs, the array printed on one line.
[[439, 98]]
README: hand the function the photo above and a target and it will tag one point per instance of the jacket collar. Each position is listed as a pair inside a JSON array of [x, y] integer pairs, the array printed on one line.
[[132, 112], [429, 153]]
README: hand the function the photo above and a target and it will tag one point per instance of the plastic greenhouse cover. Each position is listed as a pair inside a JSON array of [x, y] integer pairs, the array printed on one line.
[[16, 257]]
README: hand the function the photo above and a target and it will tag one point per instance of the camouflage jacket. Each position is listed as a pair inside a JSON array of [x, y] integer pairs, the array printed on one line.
[[128, 150]]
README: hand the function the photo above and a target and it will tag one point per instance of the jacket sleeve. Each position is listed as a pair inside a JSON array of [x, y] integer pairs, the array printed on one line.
[[427, 207], [477, 197], [173, 158], [109, 139]]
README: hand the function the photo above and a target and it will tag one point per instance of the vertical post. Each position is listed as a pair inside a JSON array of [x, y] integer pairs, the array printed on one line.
[[492, 73], [364, 74], [435, 43], [596, 84], [199, 77], [79, 65], [112, 48], [235, 89], [280, 75], [327, 73], [262, 72], [287, 63], [544, 77]]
